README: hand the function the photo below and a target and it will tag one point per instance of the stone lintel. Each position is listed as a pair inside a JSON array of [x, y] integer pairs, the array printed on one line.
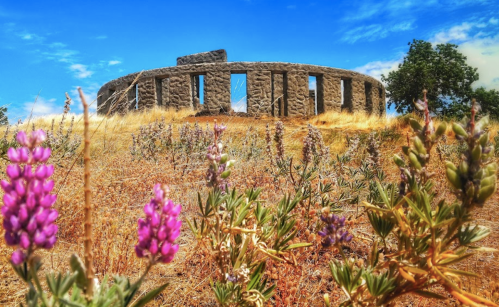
[[203, 57]]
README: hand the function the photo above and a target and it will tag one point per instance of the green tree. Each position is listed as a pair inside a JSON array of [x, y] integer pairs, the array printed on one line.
[[442, 70], [489, 101], [3, 116]]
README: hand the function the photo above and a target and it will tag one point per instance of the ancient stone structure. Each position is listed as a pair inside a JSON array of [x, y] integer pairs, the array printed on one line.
[[272, 88]]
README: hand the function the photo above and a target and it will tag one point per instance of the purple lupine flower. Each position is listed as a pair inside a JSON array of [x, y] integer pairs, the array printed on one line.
[[158, 231], [28, 218], [334, 233], [219, 169]]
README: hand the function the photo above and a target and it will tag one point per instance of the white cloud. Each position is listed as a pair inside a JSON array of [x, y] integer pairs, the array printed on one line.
[[114, 62], [457, 33], [479, 42], [377, 68], [101, 37], [81, 71], [374, 31], [27, 36], [483, 53], [42, 107]]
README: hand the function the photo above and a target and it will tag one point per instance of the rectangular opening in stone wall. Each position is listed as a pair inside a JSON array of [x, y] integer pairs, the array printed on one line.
[[346, 94], [278, 94], [312, 95], [132, 97], [238, 93], [197, 90], [159, 91], [369, 102]]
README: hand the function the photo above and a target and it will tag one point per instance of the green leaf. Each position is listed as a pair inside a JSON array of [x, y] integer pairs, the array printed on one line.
[[298, 245], [63, 302], [429, 294], [150, 296], [78, 267]]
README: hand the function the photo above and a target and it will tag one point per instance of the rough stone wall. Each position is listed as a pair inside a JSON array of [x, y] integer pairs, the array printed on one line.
[[259, 92], [147, 93], [374, 96], [358, 96], [203, 57], [330, 88], [281, 87], [278, 95], [382, 104], [180, 91], [217, 91], [297, 89]]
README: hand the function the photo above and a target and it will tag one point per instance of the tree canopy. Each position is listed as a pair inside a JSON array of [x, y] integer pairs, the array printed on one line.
[[441, 70], [3, 116]]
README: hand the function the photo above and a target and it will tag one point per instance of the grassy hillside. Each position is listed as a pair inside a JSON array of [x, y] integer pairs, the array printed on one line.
[[124, 172]]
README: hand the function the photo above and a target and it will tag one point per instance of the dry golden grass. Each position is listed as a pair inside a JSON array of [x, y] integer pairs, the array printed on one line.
[[121, 186]]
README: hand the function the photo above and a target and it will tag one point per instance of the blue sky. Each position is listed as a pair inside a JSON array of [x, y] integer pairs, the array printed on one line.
[[52, 47]]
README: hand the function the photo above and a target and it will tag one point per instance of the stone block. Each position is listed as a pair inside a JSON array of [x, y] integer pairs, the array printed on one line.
[[259, 92], [331, 91], [180, 91], [217, 91], [297, 93], [147, 93], [215, 56], [358, 96]]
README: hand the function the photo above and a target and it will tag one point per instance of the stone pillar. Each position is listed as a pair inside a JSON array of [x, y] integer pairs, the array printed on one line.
[[180, 91], [278, 95], [331, 91], [358, 96], [382, 102], [297, 93], [374, 96], [217, 91], [259, 91], [147, 93]]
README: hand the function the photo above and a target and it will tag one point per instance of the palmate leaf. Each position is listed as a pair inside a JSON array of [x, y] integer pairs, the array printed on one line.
[[379, 285], [344, 276], [469, 234], [382, 226]]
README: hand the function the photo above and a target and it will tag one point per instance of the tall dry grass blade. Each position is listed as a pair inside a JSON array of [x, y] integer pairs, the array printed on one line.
[[88, 202]]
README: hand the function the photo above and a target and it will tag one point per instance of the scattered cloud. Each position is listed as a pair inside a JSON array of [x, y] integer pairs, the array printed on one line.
[[374, 31], [90, 93], [101, 37], [114, 62], [377, 68], [483, 53], [81, 71], [478, 40], [42, 107], [457, 33]]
